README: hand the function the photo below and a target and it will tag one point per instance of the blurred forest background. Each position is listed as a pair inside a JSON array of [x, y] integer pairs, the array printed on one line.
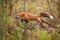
[[10, 31]]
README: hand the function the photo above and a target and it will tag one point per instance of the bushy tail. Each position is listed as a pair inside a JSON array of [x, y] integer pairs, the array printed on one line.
[[46, 14]]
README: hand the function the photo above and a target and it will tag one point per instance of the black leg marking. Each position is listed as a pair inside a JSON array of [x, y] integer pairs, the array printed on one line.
[[24, 20]]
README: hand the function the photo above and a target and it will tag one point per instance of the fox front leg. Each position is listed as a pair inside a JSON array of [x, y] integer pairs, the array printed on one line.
[[24, 20]]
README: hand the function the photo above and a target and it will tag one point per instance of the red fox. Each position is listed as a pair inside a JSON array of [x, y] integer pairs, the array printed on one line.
[[30, 16]]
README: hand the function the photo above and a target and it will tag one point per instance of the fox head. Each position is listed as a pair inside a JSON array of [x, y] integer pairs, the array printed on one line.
[[19, 15]]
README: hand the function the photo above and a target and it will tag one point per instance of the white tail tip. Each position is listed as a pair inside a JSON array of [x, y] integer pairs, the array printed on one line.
[[51, 17]]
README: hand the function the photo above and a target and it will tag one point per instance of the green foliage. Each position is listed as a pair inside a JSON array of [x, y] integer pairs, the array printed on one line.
[[18, 33], [1, 33], [44, 35], [55, 36], [58, 25], [1, 19], [11, 20], [19, 6], [32, 7]]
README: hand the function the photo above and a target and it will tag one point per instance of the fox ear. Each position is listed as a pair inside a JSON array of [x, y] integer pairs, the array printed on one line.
[[22, 14], [18, 14]]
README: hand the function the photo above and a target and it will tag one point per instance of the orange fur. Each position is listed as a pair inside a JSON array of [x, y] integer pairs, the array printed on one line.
[[34, 17], [28, 16]]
